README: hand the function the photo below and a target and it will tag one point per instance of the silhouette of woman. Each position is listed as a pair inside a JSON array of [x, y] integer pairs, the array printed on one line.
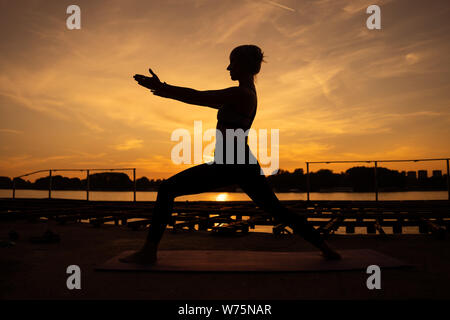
[[236, 110]]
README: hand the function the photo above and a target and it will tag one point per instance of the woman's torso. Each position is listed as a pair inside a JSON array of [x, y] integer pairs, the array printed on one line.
[[239, 115]]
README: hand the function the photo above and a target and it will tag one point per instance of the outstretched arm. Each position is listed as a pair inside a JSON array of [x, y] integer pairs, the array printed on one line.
[[209, 98]]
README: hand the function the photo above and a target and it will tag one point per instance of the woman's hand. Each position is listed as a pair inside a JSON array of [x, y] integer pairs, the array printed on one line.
[[151, 83]]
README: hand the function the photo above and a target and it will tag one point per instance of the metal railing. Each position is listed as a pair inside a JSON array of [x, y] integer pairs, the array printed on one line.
[[307, 174], [87, 179], [375, 171]]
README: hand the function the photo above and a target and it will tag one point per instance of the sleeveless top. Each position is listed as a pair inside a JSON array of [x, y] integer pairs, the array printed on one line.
[[232, 119]]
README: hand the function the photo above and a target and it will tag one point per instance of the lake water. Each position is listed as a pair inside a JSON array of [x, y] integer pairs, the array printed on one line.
[[226, 196]]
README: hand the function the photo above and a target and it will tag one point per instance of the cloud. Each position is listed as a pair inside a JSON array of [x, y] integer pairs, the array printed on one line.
[[129, 144], [412, 58], [13, 131], [280, 5]]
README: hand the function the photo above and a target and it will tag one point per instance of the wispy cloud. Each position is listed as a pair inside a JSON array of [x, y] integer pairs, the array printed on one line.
[[129, 144], [279, 5], [13, 131]]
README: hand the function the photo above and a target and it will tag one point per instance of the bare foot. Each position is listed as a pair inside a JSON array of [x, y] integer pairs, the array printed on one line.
[[140, 257]]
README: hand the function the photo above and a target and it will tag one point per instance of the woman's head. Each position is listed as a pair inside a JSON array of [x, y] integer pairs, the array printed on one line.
[[245, 61]]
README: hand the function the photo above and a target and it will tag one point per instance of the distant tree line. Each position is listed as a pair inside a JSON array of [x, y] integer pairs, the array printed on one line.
[[108, 181], [357, 179]]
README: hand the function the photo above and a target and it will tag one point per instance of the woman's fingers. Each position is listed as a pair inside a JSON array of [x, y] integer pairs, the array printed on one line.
[[139, 77], [153, 74], [148, 82]]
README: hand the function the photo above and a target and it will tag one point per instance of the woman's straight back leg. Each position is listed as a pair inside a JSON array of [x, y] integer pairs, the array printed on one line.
[[256, 186]]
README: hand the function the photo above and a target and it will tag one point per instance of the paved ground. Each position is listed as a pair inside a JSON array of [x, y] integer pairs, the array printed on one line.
[[38, 271]]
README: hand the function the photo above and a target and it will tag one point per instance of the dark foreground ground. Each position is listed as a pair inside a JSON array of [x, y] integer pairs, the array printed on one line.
[[38, 271]]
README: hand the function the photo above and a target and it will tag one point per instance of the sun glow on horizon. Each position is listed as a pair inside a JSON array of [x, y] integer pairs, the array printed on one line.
[[222, 197]]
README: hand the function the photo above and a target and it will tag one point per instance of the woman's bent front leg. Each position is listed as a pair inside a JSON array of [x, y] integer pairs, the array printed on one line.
[[160, 218], [194, 180], [161, 212]]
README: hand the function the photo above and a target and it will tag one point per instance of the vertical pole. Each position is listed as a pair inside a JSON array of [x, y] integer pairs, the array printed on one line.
[[87, 185], [134, 182], [376, 182], [14, 188], [307, 181], [50, 184], [448, 182]]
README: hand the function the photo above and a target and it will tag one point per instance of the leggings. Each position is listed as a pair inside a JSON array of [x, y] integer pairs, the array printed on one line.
[[207, 177]]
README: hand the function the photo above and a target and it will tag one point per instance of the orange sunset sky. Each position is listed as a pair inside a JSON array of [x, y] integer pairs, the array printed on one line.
[[334, 89]]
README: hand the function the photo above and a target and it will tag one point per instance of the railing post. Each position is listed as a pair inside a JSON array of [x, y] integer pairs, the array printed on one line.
[[376, 182], [134, 183], [307, 181], [14, 188], [87, 185], [448, 181], [50, 184]]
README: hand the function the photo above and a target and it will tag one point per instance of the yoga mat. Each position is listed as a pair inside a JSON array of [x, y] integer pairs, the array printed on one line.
[[253, 261]]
